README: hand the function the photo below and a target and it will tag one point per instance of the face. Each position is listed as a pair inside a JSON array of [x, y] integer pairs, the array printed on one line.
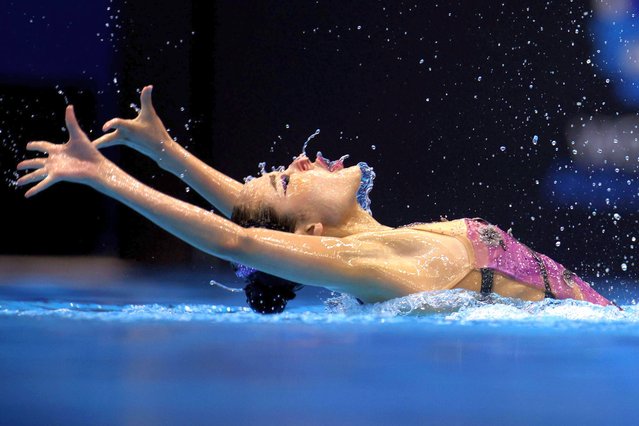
[[307, 190]]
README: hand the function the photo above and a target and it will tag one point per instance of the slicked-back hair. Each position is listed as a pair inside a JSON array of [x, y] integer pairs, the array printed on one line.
[[266, 293]]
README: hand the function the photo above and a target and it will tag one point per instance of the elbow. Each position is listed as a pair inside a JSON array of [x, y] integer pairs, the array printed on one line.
[[234, 245]]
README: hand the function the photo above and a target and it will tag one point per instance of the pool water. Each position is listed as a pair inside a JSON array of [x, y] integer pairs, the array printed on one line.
[[157, 351]]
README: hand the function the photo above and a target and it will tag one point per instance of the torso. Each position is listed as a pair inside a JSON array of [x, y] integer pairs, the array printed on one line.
[[427, 257]]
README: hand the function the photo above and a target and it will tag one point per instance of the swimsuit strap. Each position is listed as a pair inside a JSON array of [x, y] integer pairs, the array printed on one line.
[[487, 280], [548, 294]]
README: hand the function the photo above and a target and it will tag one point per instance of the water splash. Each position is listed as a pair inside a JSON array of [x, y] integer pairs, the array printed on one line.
[[460, 307], [224, 287], [317, 132]]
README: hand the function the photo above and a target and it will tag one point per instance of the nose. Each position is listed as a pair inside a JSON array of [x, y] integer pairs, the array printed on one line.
[[301, 164]]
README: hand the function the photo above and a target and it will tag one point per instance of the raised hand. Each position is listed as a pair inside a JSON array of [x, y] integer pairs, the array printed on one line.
[[147, 134], [77, 160], [144, 133]]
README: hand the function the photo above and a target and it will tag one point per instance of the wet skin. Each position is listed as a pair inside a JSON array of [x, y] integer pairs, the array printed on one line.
[[336, 245]]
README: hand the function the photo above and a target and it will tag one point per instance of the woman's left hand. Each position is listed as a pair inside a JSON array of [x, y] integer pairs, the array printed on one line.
[[145, 133], [78, 160]]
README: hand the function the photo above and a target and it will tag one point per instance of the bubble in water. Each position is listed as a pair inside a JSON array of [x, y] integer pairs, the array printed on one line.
[[624, 267], [373, 147], [502, 148], [558, 244], [535, 139], [617, 216]]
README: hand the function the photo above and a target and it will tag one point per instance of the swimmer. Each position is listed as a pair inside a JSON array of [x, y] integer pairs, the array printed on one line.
[[308, 224]]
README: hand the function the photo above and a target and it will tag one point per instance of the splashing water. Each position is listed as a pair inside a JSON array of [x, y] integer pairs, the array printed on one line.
[[317, 132], [439, 307], [134, 107]]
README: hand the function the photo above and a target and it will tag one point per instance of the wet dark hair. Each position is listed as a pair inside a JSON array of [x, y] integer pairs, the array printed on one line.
[[266, 293]]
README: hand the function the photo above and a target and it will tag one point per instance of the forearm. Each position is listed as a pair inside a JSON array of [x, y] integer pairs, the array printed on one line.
[[196, 226], [217, 188]]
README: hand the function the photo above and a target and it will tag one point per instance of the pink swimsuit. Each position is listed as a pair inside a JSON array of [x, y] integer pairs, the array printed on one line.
[[496, 250]]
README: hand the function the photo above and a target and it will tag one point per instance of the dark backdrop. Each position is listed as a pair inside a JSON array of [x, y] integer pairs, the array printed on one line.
[[462, 108]]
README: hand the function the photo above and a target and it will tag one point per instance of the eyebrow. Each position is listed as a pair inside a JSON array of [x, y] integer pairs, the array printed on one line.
[[272, 179]]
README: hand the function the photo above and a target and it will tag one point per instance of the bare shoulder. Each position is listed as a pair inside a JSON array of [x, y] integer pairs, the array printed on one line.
[[405, 260], [409, 240]]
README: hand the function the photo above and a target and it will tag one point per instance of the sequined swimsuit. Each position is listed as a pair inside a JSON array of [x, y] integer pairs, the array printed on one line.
[[494, 250]]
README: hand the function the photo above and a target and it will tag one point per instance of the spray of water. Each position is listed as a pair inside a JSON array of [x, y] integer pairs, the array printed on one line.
[[317, 132]]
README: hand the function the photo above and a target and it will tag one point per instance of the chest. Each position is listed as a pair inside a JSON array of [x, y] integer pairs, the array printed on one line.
[[411, 261]]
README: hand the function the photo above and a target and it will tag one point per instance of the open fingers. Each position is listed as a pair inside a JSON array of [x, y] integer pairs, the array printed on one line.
[[114, 124], [107, 140], [146, 100], [44, 184], [75, 132], [41, 146], [33, 163], [32, 177]]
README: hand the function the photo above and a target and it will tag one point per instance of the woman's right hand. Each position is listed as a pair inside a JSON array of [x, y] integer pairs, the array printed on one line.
[[145, 133], [75, 161]]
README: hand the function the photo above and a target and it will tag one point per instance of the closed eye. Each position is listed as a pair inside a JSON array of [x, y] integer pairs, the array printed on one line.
[[285, 180]]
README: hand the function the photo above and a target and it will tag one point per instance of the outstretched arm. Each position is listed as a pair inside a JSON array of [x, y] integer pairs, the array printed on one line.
[[339, 264], [147, 134], [79, 161]]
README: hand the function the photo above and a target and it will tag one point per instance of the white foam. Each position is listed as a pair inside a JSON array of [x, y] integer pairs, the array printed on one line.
[[441, 307]]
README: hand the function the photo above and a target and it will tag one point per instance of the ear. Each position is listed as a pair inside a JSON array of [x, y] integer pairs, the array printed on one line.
[[316, 229]]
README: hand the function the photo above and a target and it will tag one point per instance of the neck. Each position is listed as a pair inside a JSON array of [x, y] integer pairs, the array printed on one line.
[[355, 223]]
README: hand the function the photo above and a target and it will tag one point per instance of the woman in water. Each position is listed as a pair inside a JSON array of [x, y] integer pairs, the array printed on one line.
[[306, 225]]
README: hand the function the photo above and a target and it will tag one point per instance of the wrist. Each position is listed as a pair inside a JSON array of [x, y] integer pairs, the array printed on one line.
[[106, 172], [171, 156]]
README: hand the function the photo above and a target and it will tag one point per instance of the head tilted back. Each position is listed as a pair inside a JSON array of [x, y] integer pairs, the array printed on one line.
[[265, 293]]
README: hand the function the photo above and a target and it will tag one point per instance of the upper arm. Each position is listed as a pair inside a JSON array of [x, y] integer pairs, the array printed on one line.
[[330, 262], [369, 269]]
